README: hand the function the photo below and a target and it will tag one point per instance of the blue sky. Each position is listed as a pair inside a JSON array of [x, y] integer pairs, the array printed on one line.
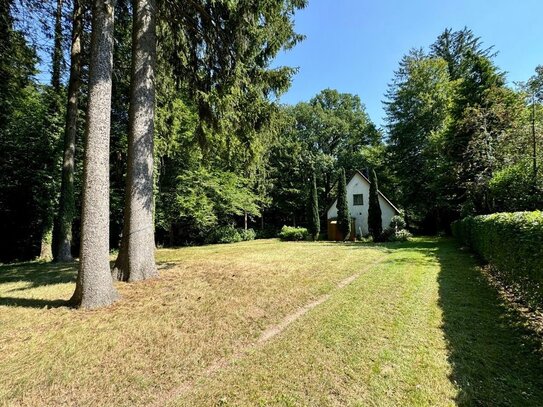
[[355, 45]]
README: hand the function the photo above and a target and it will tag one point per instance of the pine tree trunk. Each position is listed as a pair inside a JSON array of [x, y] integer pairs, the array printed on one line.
[[94, 287], [57, 49], [67, 201], [46, 249], [136, 260]]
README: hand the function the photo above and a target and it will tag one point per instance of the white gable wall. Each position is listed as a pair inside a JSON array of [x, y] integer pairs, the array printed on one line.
[[358, 185]]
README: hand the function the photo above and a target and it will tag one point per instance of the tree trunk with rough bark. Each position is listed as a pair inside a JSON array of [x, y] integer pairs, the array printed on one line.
[[94, 287], [46, 249], [67, 200], [136, 260], [46, 252]]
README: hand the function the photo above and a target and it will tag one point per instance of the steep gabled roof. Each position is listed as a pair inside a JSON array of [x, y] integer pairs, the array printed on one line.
[[379, 192], [369, 182]]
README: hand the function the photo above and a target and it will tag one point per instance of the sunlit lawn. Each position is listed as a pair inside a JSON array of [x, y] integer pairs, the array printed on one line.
[[419, 326]]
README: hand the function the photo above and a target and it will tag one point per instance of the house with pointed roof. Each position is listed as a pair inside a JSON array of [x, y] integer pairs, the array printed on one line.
[[358, 190]]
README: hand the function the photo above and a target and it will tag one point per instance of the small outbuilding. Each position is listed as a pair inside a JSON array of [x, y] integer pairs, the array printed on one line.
[[358, 191]]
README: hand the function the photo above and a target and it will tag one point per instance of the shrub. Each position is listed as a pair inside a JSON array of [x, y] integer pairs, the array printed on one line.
[[512, 188], [401, 235], [266, 233], [390, 234], [224, 234], [293, 233], [247, 235], [512, 245], [397, 222], [385, 235]]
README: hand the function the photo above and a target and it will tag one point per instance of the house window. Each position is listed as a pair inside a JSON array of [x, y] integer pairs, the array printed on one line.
[[358, 199]]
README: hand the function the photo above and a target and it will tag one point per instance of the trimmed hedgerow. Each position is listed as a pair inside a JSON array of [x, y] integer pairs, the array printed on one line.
[[293, 233], [512, 244]]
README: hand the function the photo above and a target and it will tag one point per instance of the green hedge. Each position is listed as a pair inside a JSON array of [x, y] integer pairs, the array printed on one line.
[[512, 243], [229, 234], [293, 233]]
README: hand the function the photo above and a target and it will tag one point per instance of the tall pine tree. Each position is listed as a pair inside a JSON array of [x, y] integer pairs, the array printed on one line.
[[136, 260], [94, 286], [375, 225], [313, 209], [67, 209], [343, 216]]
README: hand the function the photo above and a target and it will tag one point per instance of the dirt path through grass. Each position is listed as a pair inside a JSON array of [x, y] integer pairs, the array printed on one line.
[[267, 335]]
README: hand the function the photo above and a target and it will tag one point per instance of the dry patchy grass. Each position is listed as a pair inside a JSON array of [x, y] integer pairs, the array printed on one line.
[[419, 326], [208, 303]]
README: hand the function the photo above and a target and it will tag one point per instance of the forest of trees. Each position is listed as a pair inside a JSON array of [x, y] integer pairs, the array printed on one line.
[[161, 123], [459, 140]]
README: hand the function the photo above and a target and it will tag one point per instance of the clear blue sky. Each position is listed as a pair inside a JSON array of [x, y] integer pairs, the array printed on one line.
[[354, 46]]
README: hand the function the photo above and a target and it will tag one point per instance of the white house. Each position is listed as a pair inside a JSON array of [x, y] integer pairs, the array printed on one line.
[[358, 192]]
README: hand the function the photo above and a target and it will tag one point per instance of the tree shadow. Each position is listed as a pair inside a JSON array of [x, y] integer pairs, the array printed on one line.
[[417, 244], [33, 302], [38, 274], [496, 359]]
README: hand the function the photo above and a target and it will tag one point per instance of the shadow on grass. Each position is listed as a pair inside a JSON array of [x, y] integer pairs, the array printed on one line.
[[32, 302], [495, 359], [35, 274], [38, 274], [422, 244]]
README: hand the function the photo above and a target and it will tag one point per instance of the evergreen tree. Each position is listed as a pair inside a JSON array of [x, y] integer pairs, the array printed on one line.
[[67, 205], [94, 286], [136, 260], [374, 211], [418, 109], [343, 215], [313, 212], [53, 130]]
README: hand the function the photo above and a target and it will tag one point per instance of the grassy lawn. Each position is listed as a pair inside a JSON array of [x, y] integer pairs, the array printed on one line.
[[271, 323]]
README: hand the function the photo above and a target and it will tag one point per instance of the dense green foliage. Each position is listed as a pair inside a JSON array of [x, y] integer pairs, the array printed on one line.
[[343, 215], [397, 222], [329, 132], [229, 234], [392, 234], [458, 140], [511, 244], [375, 221], [216, 119], [457, 134], [290, 233]]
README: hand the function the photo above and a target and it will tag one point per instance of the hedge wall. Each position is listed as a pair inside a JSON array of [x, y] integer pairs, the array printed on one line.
[[512, 243]]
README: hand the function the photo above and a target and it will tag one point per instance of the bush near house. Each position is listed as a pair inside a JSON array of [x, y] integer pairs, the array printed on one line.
[[396, 231], [397, 222], [512, 244], [293, 233], [392, 234], [229, 234]]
